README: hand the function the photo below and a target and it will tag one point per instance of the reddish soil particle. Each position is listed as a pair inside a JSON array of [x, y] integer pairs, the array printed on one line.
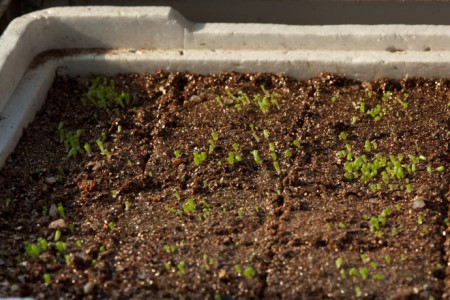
[[130, 231]]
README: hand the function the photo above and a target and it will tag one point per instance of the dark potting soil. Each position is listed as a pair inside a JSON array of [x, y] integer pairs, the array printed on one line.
[[346, 196]]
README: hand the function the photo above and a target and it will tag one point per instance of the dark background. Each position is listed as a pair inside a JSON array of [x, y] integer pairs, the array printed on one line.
[[299, 12]]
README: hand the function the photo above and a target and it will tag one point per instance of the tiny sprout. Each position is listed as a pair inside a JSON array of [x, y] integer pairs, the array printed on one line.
[[354, 120], [341, 226], [42, 244], [403, 257], [387, 259], [339, 262], [78, 242], [127, 205], [353, 272], [230, 158], [296, 143], [398, 207], [343, 135], [111, 225], [429, 169], [47, 278], [103, 150], [87, 147], [119, 129], [364, 272], [180, 268], [272, 147], [288, 153], [249, 272], [420, 219], [256, 157], [168, 265], [367, 146], [446, 221], [235, 146], [240, 212], [114, 193], [333, 99], [214, 136], [177, 195], [170, 248], [237, 268], [276, 165], [57, 235], [60, 246], [440, 168], [358, 291], [177, 153], [378, 276], [199, 157], [266, 133], [61, 210], [273, 155]]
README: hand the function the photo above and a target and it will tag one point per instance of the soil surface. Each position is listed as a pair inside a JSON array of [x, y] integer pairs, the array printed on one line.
[[346, 196]]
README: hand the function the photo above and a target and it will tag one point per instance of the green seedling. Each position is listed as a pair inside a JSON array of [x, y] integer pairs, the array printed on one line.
[[440, 169], [240, 212], [103, 150], [60, 246], [420, 219], [127, 205], [254, 134], [288, 153], [177, 195], [111, 225], [387, 259], [256, 157], [364, 272], [266, 134], [235, 146], [343, 136], [199, 157], [119, 128], [181, 266], [177, 153], [358, 291], [57, 235], [354, 120], [339, 262], [276, 165], [47, 278], [189, 206], [237, 268], [353, 272], [249, 273], [60, 209], [170, 248], [87, 148], [296, 143]]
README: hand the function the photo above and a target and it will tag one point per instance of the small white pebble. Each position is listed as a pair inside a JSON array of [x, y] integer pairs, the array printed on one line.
[[88, 287], [53, 211], [418, 202], [58, 224], [50, 180]]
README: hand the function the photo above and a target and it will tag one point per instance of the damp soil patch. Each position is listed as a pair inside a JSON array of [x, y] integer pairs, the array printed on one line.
[[229, 186]]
